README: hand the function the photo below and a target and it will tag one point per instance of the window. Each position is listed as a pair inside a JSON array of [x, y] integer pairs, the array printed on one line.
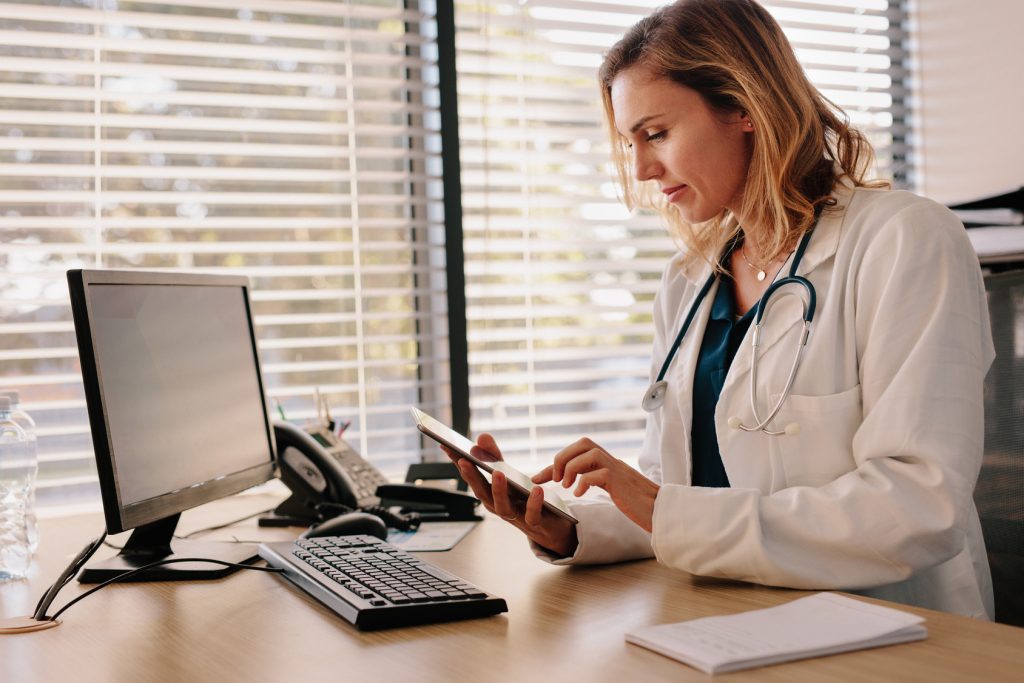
[[298, 143], [559, 278], [292, 142]]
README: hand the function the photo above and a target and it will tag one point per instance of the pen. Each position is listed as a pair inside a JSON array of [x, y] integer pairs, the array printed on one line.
[[280, 409]]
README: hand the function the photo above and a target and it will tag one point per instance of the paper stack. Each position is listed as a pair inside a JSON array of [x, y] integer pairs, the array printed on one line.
[[1000, 219], [817, 625]]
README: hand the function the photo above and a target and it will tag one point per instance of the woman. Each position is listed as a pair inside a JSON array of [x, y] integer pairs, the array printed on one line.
[[865, 481]]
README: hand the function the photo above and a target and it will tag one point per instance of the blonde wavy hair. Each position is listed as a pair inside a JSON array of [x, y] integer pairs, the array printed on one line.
[[734, 54]]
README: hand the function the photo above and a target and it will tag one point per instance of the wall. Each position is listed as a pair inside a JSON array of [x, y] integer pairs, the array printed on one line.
[[970, 96]]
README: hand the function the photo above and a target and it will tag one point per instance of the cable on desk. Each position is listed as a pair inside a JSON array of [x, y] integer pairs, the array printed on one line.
[[151, 565], [409, 521], [69, 573]]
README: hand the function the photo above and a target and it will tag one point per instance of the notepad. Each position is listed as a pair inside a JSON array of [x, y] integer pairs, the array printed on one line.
[[814, 626]]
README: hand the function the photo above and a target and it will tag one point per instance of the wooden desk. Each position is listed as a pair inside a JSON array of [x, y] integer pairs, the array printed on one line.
[[562, 623]]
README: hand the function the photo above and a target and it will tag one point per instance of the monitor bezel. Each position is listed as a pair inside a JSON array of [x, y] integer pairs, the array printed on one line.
[[119, 516]]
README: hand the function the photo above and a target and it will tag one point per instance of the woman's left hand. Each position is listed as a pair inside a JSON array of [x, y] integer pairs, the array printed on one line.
[[632, 492]]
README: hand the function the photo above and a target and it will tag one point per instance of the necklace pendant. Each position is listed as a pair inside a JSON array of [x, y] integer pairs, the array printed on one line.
[[761, 276]]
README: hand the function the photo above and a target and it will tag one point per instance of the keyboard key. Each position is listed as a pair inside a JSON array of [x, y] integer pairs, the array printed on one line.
[[437, 573]]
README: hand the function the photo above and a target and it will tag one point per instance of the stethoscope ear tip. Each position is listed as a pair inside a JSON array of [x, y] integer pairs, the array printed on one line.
[[735, 422], [793, 429]]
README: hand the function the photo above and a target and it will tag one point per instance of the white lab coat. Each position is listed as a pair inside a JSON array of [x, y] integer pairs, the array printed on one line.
[[875, 492]]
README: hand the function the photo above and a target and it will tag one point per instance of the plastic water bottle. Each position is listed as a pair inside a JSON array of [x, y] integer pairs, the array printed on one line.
[[29, 425], [17, 470]]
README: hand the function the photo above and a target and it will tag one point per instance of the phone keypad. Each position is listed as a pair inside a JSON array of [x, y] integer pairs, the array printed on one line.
[[365, 477]]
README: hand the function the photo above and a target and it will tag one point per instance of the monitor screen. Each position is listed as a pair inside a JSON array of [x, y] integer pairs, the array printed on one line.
[[175, 395]]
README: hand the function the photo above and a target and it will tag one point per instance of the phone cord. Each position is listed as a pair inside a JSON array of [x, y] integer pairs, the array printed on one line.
[[403, 522]]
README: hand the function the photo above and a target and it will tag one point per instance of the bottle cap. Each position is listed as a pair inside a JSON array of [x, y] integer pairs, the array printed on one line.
[[5, 404], [14, 395]]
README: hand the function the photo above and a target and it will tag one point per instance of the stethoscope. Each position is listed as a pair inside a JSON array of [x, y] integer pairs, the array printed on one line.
[[654, 398]]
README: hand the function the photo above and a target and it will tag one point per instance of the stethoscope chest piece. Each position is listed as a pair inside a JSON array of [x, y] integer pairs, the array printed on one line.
[[655, 396]]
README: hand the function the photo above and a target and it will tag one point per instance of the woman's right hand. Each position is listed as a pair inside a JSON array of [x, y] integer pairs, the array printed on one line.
[[528, 515]]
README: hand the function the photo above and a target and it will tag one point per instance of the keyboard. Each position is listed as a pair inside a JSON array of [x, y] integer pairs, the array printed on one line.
[[375, 585]]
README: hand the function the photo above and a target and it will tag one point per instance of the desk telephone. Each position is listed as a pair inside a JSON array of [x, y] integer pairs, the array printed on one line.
[[328, 477]]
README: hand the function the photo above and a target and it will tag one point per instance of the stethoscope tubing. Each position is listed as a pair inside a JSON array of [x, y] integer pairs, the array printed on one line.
[[686, 326], [655, 395]]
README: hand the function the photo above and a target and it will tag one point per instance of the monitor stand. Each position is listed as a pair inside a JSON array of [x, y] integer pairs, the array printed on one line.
[[155, 541]]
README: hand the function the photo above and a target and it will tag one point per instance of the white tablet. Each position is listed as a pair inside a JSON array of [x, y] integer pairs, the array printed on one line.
[[447, 436]]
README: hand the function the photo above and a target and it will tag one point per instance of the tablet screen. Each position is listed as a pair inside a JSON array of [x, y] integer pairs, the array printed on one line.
[[447, 436]]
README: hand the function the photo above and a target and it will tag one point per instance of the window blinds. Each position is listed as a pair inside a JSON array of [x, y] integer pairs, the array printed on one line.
[[294, 142], [560, 279]]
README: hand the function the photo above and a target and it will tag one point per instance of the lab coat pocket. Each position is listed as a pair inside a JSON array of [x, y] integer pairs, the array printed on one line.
[[823, 449]]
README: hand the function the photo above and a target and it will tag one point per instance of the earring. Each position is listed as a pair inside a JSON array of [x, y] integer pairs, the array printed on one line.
[[749, 124]]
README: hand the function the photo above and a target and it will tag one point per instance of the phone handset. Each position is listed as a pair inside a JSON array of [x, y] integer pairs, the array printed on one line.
[[309, 470], [321, 485], [327, 478]]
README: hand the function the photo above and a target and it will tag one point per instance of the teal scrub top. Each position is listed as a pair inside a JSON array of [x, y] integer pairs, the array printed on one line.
[[722, 339]]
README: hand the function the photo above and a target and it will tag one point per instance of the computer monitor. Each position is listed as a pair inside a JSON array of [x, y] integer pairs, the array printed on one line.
[[177, 409]]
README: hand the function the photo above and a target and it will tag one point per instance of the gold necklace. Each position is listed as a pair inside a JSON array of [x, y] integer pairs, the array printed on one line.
[[761, 274]]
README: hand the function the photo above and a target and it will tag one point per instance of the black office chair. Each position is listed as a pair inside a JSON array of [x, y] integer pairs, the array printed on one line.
[[999, 494]]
